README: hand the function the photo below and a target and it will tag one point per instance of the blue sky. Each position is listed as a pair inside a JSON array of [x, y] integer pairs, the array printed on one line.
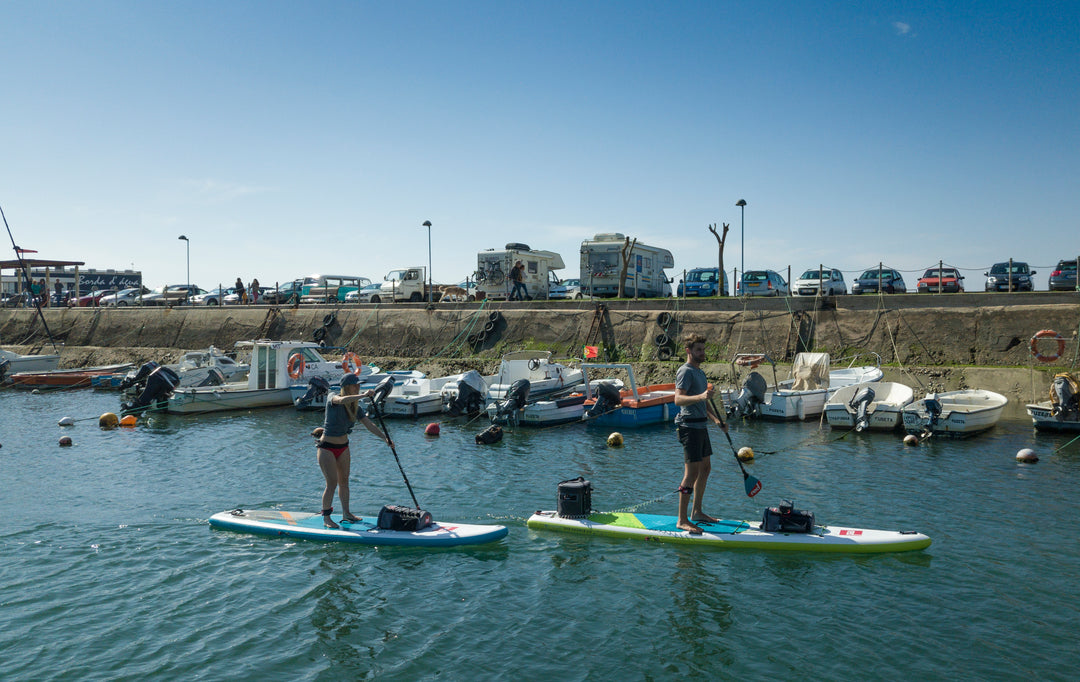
[[288, 138]]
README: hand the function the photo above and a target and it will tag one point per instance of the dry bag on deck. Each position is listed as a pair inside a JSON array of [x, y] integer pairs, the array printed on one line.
[[394, 517], [787, 519], [575, 498]]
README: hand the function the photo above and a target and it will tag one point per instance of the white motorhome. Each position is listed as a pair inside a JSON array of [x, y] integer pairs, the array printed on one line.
[[493, 271], [601, 263]]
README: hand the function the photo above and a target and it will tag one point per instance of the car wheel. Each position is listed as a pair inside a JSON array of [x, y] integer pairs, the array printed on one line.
[[121, 304], [212, 302], [577, 296], [374, 299]]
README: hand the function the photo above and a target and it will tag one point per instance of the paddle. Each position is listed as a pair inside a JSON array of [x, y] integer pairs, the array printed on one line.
[[379, 393], [753, 486]]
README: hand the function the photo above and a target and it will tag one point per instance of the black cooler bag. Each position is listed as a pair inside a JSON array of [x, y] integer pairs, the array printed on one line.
[[787, 519], [575, 498], [393, 517]]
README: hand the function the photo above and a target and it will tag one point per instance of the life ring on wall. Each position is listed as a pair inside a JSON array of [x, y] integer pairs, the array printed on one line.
[[296, 365], [350, 362], [1047, 334]]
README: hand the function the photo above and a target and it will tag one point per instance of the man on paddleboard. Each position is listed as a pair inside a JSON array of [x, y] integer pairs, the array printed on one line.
[[343, 410], [692, 394]]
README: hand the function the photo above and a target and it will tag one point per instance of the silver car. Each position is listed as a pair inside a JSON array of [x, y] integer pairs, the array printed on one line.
[[829, 280], [123, 298]]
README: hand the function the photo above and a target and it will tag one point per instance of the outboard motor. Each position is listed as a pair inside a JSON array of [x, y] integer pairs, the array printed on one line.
[[933, 412], [860, 403], [516, 397], [470, 395], [752, 394], [381, 390], [489, 436], [607, 399], [1065, 398], [214, 377], [137, 379], [159, 385], [318, 389]]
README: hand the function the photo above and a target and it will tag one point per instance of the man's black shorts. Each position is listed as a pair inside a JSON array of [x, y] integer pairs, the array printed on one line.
[[695, 442]]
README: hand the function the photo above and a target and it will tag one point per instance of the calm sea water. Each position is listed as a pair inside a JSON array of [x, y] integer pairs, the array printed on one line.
[[108, 569]]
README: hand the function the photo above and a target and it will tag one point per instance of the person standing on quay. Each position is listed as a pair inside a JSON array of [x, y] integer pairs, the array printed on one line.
[[240, 292], [692, 394]]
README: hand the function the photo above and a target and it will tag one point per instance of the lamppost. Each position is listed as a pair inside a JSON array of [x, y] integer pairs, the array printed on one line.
[[427, 224], [188, 242], [741, 203]]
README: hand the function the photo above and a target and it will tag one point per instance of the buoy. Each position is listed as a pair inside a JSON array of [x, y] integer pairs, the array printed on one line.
[[65, 441], [911, 439], [1027, 455], [615, 440], [432, 429], [745, 454], [66, 421], [108, 420], [129, 420]]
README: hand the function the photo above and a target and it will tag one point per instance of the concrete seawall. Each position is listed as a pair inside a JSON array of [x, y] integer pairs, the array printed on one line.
[[949, 339]]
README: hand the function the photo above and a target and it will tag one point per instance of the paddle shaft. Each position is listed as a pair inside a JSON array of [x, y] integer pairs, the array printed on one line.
[[378, 415], [753, 486]]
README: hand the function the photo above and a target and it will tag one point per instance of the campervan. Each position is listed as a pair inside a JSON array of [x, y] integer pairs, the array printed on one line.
[[602, 260], [493, 271]]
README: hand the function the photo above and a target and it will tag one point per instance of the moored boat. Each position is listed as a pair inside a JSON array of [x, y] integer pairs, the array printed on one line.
[[874, 405], [1062, 411], [66, 378], [14, 363], [803, 396], [635, 406], [954, 413], [544, 376]]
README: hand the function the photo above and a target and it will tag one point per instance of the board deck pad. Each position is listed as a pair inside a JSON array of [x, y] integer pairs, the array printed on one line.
[[309, 526], [733, 534]]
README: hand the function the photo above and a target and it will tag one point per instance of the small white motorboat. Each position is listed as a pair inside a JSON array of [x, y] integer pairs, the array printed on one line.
[[803, 395], [312, 395], [954, 413], [14, 363], [553, 410], [1062, 411], [544, 376], [875, 405], [275, 366]]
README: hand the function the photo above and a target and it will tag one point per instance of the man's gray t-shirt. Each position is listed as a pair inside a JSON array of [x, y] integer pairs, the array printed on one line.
[[694, 382]]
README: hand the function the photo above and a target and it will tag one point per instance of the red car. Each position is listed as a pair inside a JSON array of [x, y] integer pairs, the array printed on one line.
[[947, 280], [90, 299]]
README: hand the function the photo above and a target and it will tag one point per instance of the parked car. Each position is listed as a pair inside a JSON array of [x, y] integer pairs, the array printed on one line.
[[702, 282], [943, 280], [286, 292], [233, 298], [568, 288], [999, 278], [829, 280], [366, 294], [762, 283], [890, 282], [91, 299], [1063, 277], [172, 294], [218, 296], [124, 297]]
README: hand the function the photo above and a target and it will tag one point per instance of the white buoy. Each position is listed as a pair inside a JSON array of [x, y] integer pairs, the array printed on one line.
[[1027, 455], [615, 440], [745, 454], [66, 421], [911, 439]]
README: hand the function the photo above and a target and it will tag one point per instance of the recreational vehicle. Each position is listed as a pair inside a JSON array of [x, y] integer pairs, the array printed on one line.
[[602, 260], [493, 271]]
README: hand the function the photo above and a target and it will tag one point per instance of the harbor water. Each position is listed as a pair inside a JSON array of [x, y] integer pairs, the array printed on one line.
[[109, 569]]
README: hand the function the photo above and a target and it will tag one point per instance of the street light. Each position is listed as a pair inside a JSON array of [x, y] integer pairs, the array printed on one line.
[[188, 242], [427, 224], [741, 203]]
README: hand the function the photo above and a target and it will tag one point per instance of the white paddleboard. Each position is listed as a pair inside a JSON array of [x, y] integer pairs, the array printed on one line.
[[733, 534], [309, 526]]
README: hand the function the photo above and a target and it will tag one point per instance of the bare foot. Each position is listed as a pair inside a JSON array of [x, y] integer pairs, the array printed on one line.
[[693, 530], [329, 523], [702, 516], [350, 518]]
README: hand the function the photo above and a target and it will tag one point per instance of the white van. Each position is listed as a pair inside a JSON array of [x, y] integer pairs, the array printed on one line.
[[493, 271], [601, 262]]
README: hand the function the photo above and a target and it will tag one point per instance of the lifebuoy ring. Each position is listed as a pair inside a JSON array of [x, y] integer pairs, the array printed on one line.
[[1047, 334], [350, 362], [296, 365]]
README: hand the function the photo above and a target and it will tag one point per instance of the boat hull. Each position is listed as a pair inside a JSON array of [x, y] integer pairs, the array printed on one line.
[[225, 398], [964, 413], [1043, 420]]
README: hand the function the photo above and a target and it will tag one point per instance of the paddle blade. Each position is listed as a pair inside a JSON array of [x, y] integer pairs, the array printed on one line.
[[753, 486]]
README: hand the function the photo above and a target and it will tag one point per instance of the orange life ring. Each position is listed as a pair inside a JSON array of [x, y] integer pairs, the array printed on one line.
[[296, 365], [1047, 334], [350, 362]]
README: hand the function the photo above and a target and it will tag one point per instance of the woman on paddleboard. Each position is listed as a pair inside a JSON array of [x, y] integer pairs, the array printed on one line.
[[692, 394], [343, 410]]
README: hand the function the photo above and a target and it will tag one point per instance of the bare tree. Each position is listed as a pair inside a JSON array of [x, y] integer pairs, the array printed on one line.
[[627, 250], [720, 241]]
